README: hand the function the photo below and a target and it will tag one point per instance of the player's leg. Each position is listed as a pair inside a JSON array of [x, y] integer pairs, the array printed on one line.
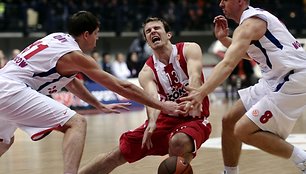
[[251, 134], [266, 127], [231, 145], [5, 146], [129, 150], [39, 115], [7, 130], [73, 143], [182, 145], [103, 164], [188, 137]]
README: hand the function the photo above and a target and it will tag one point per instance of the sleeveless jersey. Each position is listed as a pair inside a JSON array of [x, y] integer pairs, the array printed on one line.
[[35, 66], [277, 53], [172, 78]]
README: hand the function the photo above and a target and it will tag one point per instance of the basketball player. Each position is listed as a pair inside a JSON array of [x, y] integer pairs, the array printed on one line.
[[266, 112], [46, 66], [164, 76]]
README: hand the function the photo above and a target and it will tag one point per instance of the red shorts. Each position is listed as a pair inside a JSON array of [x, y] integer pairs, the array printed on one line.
[[166, 126]]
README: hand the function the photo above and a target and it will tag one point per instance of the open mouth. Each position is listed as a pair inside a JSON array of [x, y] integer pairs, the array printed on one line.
[[155, 39]]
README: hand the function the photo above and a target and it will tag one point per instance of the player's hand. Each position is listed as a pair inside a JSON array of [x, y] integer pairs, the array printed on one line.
[[114, 107], [171, 108], [196, 111], [195, 99], [189, 110], [221, 27], [146, 140]]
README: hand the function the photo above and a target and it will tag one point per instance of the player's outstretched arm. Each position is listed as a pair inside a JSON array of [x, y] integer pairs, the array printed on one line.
[[78, 62], [78, 89]]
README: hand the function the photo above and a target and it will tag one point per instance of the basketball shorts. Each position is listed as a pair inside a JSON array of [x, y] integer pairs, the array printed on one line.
[[272, 111], [166, 127], [32, 112]]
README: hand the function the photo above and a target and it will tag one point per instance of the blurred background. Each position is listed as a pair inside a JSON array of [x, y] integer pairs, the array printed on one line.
[[121, 43], [123, 18], [127, 15]]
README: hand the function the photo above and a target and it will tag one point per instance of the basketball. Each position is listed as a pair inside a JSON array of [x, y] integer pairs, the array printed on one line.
[[174, 165]]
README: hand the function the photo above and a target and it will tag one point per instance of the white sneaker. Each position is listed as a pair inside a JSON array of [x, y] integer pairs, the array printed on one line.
[[302, 167]]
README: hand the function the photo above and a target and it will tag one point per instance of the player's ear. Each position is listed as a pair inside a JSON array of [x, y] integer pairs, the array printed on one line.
[[86, 34], [169, 34]]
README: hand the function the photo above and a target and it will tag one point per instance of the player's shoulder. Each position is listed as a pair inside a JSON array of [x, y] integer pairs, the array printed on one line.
[[191, 45], [146, 74]]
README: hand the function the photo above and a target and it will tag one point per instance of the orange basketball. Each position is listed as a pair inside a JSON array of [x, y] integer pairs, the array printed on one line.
[[174, 165]]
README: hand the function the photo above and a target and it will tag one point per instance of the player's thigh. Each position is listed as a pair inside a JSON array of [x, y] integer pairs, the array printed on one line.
[[7, 130], [30, 108], [234, 113], [268, 116]]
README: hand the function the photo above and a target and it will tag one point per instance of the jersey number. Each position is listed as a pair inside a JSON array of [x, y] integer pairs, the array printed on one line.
[[265, 117], [38, 47]]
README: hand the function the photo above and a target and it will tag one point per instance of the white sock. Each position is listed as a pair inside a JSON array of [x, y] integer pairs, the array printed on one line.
[[298, 155], [231, 170]]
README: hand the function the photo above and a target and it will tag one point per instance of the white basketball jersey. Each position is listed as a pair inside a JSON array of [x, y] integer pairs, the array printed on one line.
[[35, 66], [277, 53]]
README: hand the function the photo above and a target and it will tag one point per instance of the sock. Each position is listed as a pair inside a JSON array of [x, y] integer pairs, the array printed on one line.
[[298, 155], [231, 170]]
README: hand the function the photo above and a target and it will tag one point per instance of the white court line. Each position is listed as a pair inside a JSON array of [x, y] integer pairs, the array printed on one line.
[[298, 140]]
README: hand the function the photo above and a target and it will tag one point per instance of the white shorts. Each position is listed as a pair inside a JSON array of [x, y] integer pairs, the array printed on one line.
[[276, 112], [24, 108]]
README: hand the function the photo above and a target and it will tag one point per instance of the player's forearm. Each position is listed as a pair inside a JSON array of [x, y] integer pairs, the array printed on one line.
[[81, 92], [195, 81], [152, 114], [226, 41], [141, 96], [133, 92], [216, 78]]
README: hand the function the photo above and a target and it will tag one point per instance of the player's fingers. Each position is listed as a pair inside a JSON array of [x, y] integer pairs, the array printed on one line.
[[125, 104], [151, 144], [186, 98], [115, 111], [181, 113], [144, 140], [107, 110], [123, 107], [217, 18], [148, 141], [188, 106]]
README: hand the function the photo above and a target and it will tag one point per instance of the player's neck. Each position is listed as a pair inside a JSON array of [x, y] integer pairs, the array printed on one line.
[[164, 54]]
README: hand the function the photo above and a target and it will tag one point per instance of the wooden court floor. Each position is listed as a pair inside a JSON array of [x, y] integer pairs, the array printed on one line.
[[44, 157]]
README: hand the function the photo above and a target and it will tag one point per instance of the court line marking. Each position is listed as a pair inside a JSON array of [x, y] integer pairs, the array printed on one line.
[[298, 140]]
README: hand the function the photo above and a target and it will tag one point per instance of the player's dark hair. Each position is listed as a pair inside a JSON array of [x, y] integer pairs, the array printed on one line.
[[152, 19], [82, 21]]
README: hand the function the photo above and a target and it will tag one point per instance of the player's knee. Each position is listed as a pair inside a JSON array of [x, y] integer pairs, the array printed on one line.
[[180, 144], [116, 157], [240, 133], [5, 146], [81, 120], [78, 122], [228, 123]]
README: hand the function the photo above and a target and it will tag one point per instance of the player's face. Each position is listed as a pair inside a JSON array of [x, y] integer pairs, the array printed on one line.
[[230, 8], [155, 34], [91, 41], [93, 38]]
